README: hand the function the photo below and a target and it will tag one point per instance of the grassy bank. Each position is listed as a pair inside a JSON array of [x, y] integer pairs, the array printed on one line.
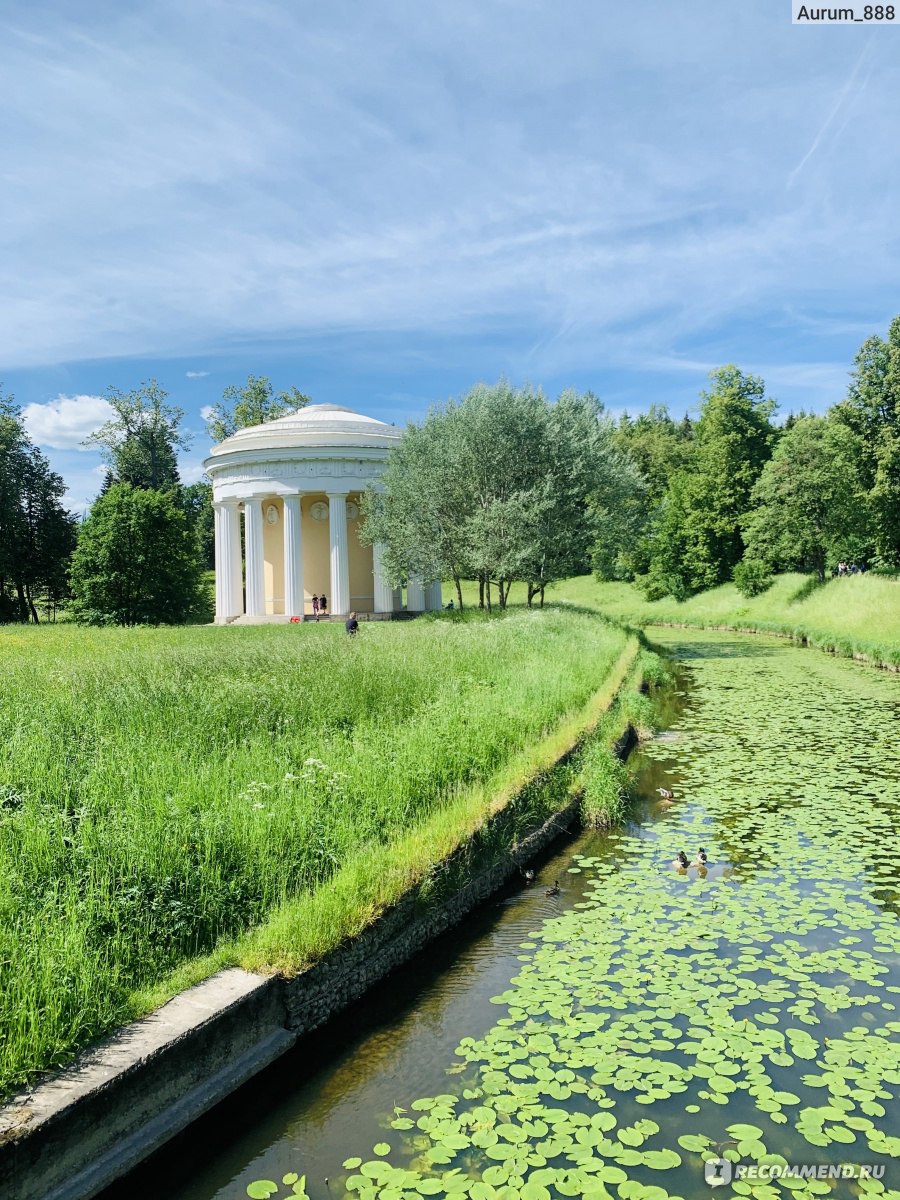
[[174, 800], [855, 616]]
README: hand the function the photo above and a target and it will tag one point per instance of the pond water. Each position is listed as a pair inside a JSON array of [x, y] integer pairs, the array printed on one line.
[[605, 1042]]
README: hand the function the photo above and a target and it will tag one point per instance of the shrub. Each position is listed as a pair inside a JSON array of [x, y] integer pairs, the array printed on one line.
[[752, 577]]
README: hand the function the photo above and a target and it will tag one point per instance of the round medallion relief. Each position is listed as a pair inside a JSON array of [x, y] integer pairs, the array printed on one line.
[[272, 514], [319, 511]]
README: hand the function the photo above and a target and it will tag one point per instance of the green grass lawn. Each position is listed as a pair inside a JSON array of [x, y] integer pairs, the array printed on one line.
[[178, 799], [851, 615]]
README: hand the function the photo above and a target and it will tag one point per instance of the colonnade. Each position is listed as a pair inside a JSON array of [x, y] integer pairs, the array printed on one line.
[[233, 582]]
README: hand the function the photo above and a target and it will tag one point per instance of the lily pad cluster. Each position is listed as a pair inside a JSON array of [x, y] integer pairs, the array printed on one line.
[[748, 1011]]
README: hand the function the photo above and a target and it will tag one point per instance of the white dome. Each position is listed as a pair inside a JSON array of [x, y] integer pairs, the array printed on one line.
[[325, 426]]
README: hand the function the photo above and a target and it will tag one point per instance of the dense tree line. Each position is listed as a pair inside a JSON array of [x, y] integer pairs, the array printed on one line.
[[37, 533], [140, 555], [733, 495], [500, 486]]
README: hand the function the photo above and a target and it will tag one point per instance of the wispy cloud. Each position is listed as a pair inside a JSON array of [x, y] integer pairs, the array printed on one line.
[[439, 172], [65, 422], [844, 97]]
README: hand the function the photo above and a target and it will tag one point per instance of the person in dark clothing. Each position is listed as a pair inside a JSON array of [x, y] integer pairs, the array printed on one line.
[[352, 625], [323, 605], [315, 604]]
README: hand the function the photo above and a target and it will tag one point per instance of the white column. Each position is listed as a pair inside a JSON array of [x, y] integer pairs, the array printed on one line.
[[384, 593], [221, 574], [293, 557], [235, 582], [253, 540], [228, 561], [415, 594], [339, 600], [434, 601]]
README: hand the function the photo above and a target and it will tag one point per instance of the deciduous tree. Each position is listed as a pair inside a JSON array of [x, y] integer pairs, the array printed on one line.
[[37, 534], [140, 443], [872, 411], [499, 486], [255, 403], [697, 541], [808, 504], [136, 561]]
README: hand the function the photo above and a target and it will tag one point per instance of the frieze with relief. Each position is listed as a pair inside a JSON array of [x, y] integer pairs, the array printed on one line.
[[297, 470]]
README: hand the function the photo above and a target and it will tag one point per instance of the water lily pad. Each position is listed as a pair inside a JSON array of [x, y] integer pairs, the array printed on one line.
[[261, 1189]]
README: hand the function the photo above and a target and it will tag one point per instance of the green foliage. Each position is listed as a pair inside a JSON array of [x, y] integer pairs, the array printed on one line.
[[661, 449], [697, 536], [253, 404], [196, 500], [658, 445], [501, 486], [167, 789], [669, 549], [136, 561], [808, 507], [752, 576], [37, 534], [872, 411], [140, 443]]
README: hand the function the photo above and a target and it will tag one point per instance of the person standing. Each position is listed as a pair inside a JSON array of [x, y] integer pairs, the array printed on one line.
[[323, 605], [315, 604]]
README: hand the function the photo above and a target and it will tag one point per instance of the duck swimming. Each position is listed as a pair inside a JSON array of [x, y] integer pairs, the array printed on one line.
[[555, 890], [665, 793], [528, 875], [700, 860], [681, 862]]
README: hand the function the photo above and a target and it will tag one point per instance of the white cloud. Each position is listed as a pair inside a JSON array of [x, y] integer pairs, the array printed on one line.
[[196, 374], [190, 472], [422, 168], [206, 411], [65, 422]]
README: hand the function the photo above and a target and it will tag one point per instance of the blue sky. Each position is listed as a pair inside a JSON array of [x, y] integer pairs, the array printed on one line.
[[383, 203]]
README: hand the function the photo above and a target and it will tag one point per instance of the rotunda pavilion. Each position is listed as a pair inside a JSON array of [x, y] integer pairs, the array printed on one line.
[[297, 482]]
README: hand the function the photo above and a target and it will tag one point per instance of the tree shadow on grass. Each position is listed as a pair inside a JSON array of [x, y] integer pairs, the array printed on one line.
[[806, 589]]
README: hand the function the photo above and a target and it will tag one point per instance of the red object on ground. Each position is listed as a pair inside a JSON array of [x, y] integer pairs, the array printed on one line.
[[294, 620]]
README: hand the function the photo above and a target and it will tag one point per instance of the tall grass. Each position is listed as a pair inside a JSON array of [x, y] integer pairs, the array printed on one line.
[[854, 615], [164, 793], [603, 778]]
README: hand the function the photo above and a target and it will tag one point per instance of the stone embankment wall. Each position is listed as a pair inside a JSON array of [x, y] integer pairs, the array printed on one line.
[[74, 1135], [314, 997]]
